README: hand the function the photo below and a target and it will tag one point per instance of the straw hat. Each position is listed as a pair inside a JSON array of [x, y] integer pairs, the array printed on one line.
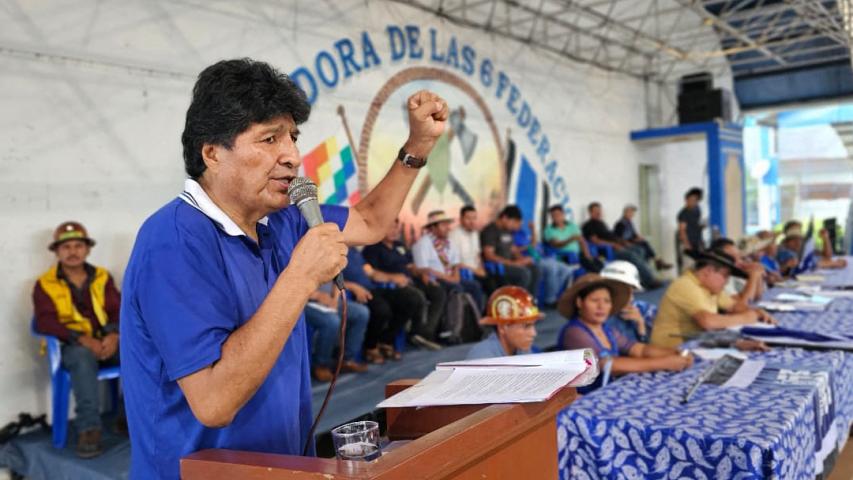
[[619, 293], [437, 216]]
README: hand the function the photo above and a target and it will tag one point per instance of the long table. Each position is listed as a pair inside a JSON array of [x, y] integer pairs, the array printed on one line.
[[799, 410]]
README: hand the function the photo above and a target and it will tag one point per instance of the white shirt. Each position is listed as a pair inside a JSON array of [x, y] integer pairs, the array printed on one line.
[[426, 256], [468, 245]]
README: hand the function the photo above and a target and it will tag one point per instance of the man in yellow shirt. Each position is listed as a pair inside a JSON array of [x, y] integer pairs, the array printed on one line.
[[695, 302]]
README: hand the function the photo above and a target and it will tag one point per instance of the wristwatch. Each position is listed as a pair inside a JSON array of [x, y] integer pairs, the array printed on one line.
[[410, 161]]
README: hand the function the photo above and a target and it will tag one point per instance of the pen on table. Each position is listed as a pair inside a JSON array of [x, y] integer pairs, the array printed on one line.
[[699, 381]]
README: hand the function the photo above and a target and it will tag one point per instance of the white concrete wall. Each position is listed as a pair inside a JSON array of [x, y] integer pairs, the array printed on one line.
[[94, 95], [682, 165]]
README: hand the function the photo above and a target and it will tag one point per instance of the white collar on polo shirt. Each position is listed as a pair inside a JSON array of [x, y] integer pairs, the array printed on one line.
[[194, 195]]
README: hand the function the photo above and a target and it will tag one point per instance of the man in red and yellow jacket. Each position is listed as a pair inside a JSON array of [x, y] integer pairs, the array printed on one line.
[[79, 304]]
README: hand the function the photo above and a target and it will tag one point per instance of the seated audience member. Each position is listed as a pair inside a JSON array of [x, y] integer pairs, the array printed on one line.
[[565, 236], [588, 304], [624, 229], [78, 303], [696, 302], [793, 227], [499, 247], [434, 253], [513, 314], [742, 291], [788, 261], [323, 314], [766, 251], [635, 320], [596, 232], [555, 274], [390, 308], [793, 245], [762, 249], [391, 257], [465, 238]]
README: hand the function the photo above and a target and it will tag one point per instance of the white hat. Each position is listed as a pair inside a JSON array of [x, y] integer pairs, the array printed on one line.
[[624, 272]]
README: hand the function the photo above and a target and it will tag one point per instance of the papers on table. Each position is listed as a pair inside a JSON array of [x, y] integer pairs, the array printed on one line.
[[810, 278], [717, 353], [799, 301], [733, 372], [516, 379], [773, 335]]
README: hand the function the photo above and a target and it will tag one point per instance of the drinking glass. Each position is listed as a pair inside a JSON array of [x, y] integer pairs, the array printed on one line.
[[357, 441]]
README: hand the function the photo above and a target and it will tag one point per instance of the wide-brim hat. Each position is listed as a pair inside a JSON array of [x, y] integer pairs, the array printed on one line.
[[718, 257], [67, 231], [620, 293], [754, 244], [511, 304], [437, 217]]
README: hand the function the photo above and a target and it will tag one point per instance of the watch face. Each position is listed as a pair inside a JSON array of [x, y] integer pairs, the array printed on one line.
[[414, 162]]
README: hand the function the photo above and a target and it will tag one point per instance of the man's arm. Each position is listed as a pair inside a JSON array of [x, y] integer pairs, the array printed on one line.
[[489, 255], [599, 241], [719, 321], [217, 392], [370, 219], [47, 318], [682, 235], [751, 289]]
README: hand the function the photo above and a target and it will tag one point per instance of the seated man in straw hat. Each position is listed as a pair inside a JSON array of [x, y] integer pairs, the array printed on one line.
[[434, 253], [696, 302], [590, 301], [513, 314], [79, 304]]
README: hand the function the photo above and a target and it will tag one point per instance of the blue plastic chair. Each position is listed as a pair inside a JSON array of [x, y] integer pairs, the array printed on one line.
[[572, 258], [60, 382]]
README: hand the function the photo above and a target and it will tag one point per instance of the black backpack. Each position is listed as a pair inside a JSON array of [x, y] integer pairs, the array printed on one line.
[[461, 320]]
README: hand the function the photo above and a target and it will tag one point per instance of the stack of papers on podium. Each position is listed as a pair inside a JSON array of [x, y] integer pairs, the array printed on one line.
[[515, 379]]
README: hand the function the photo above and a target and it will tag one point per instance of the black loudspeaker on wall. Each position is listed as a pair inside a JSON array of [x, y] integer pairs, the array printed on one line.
[[698, 101]]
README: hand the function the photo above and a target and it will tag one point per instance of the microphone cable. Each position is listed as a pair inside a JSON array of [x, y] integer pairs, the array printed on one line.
[[341, 343]]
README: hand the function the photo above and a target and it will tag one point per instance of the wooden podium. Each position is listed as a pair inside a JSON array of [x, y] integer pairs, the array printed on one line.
[[460, 442]]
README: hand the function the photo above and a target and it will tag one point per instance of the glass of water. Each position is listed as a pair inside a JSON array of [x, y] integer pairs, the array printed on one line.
[[357, 441]]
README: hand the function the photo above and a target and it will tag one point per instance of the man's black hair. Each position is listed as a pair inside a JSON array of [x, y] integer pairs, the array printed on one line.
[[720, 243], [555, 208], [694, 191], [231, 95], [592, 205], [512, 212], [466, 209]]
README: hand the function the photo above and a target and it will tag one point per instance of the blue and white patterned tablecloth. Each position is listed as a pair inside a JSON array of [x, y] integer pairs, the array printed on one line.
[[828, 323], [637, 428], [837, 278]]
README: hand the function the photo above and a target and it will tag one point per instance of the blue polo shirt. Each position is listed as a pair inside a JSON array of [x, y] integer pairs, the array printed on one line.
[[192, 279]]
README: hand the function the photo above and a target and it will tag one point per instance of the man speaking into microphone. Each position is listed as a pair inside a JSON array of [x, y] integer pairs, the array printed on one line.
[[213, 343]]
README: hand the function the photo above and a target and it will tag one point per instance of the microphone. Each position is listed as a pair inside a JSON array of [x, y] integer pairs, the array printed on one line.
[[303, 193]]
